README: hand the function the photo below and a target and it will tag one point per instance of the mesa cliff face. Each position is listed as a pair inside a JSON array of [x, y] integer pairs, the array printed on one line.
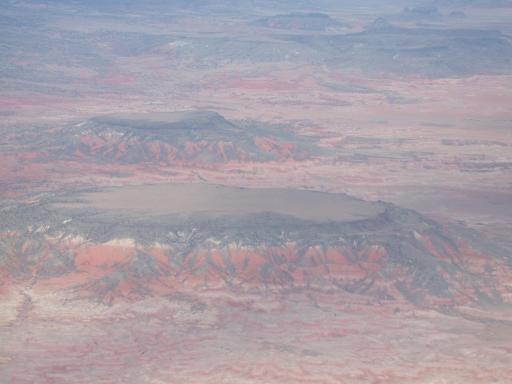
[[190, 138], [394, 254]]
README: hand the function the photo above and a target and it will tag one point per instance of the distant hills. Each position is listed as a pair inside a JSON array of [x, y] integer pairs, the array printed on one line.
[[382, 48], [421, 13], [386, 48], [299, 21], [311, 38]]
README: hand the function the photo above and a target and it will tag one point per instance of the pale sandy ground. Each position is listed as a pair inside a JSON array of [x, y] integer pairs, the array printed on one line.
[[221, 337]]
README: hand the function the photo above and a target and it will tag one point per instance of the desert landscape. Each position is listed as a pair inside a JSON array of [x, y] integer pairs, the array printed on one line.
[[264, 192]]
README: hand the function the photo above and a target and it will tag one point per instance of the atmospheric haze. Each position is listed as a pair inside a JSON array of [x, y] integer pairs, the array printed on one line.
[[255, 192]]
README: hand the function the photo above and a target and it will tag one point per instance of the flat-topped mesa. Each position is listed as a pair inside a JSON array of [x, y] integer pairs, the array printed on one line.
[[381, 25], [165, 122], [210, 202], [426, 13], [160, 238], [188, 137], [298, 21]]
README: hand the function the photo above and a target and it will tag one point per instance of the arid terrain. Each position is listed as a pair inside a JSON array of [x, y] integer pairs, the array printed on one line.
[[255, 192]]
